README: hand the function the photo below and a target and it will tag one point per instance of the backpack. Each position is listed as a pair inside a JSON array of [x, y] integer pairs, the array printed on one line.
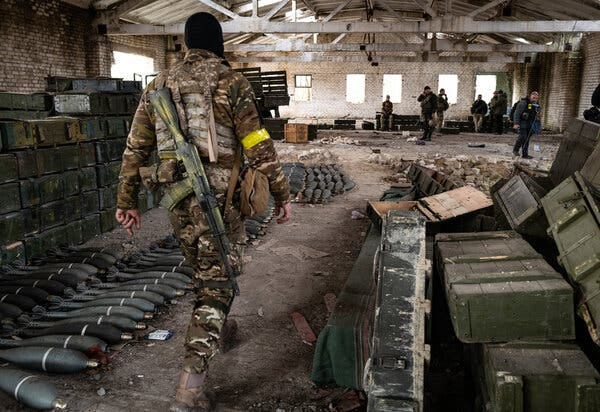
[[513, 110], [592, 114]]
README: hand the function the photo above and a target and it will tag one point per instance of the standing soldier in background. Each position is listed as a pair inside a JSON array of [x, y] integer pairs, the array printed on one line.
[[478, 110], [210, 97], [442, 106], [429, 105], [498, 106], [525, 116], [387, 118]]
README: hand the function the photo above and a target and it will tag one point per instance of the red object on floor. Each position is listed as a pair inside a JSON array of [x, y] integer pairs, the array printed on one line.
[[303, 328]]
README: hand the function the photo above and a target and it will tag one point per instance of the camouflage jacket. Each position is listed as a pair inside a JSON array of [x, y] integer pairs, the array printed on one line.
[[236, 118], [387, 107]]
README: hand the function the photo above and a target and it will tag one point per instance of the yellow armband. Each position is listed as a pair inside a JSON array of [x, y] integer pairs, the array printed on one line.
[[255, 138]]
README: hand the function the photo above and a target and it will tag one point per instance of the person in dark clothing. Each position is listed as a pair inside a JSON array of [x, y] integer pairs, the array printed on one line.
[[593, 113], [479, 108], [429, 104], [596, 97], [525, 116], [497, 107]]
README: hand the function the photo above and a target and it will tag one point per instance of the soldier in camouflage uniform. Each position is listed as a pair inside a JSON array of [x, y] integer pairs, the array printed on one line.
[[387, 107], [202, 73]]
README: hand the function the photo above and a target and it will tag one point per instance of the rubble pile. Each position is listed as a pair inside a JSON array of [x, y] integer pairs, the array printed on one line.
[[479, 172], [310, 157], [342, 140]]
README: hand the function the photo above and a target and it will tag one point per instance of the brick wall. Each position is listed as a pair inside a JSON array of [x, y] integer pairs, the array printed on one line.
[[41, 38], [329, 86], [590, 76]]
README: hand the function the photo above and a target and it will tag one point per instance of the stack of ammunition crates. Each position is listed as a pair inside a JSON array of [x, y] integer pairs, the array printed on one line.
[[58, 176]]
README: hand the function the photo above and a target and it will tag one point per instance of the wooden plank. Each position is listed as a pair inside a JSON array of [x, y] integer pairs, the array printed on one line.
[[303, 328], [454, 203]]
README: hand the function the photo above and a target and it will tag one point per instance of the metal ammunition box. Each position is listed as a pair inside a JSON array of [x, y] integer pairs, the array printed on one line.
[[50, 132], [574, 215], [108, 174], [92, 128], [74, 208], [591, 168], [51, 188], [100, 85], [9, 170], [71, 179], [19, 101], [499, 289], [52, 214], [90, 226], [87, 179], [14, 135], [110, 150], [577, 144], [11, 197], [107, 197], [30, 193], [75, 232], [519, 201], [142, 201], [69, 156], [107, 220], [87, 154], [537, 377], [90, 203], [398, 353], [93, 103], [117, 126], [24, 114], [48, 160], [31, 218], [12, 227], [27, 163]]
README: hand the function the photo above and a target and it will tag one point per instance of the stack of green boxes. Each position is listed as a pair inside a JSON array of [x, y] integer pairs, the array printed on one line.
[[59, 176]]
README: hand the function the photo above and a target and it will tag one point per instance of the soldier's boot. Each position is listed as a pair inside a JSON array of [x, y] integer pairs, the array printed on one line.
[[190, 395], [228, 335]]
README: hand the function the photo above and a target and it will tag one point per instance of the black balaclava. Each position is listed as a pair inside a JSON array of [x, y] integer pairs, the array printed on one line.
[[203, 31]]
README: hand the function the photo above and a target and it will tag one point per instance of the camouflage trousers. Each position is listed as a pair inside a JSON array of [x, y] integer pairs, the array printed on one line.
[[214, 294]]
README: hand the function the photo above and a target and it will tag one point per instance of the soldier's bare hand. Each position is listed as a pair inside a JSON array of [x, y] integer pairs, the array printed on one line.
[[129, 219], [286, 208]]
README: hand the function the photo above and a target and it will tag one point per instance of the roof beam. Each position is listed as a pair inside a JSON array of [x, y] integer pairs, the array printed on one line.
[[219, 8], [488, 6], [276, 9], [439, 46], [360, 58], [426, 7], [450, 24]]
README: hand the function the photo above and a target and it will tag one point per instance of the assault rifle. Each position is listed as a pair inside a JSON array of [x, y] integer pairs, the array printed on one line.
[[188, 153]]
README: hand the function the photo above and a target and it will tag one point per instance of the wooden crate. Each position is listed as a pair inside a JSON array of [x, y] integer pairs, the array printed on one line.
[[296, 133]]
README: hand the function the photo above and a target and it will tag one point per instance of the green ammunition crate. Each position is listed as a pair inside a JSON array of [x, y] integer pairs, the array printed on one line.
[[32, 220], [142, 201], [71, 179], [19, 101], [87, 154], [90, 226], [574, 216], [108, 174], [48, 132], [11, 197], [90, 203], [14, 135], [33, 247], [48, 160], [591, 168], [87, 179], [26, 163], [69, 156], [51, 187], [78, 103], [12, 252], [30, 193], [52, 214], [53, 238], [12, 227], [24, 114], [117, 126], [107, 220], [9, 169], [519, 201], [93, 128], [499, 289], [110, 150], [74, 208], [107, 197], [537, 377], [75, 232], [577, 144]]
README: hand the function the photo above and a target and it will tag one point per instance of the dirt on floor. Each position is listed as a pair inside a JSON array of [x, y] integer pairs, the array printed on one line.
[[268, 369]]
